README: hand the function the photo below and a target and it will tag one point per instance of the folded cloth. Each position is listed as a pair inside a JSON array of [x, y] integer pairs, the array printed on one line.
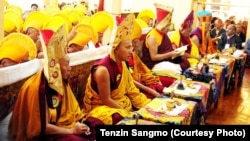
[[166, 68], [15, 73]]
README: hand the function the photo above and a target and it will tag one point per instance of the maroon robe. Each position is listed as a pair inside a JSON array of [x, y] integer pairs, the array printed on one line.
[[164, 47]]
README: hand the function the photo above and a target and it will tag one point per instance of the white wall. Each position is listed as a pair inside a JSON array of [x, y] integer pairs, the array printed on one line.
[[181, 7]]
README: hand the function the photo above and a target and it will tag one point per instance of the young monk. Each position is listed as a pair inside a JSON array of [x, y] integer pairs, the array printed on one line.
[[110, 91], [181, 37]]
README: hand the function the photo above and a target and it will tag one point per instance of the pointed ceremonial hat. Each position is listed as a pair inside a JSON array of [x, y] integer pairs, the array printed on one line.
[[122, 32], [188, 22], [54, 48], [164, 15]]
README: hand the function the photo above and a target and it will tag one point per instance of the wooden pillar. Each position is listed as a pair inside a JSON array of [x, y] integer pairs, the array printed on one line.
[[113, 6], [1, 19]]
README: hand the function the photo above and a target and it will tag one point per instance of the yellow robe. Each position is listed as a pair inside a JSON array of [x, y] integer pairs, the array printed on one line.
[[157, 36], [125, 95], [175, 38], [142, 73], [25, 122]]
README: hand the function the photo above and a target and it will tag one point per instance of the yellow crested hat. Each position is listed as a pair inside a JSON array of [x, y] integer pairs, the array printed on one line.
[[19, 40], [85, 19], [16, 8], [51, 10], [164, 15], [15, 17], [73, 14], [142, 23], [35, 20], [122, 32], [54, 48], [139, 24], [9, 25], [87, 29], [81, 8], [67, 8], [74, 17], [101, 21], [14, 53], [56, 21], [80, 39], [146, 15]]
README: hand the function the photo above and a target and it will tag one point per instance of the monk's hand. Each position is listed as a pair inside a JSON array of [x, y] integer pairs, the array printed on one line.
[[175, 54], [87, 129], [80, 128]]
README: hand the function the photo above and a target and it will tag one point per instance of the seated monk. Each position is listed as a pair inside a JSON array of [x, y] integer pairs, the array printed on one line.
[[46, 108], [110, 93], [182, 37], [32, 25], [157, 48], [78, 43], [144, 79], [80, 36], [16, 48]]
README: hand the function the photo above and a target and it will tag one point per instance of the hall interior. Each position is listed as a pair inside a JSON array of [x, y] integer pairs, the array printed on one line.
[[233, 108], [238, 97]]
